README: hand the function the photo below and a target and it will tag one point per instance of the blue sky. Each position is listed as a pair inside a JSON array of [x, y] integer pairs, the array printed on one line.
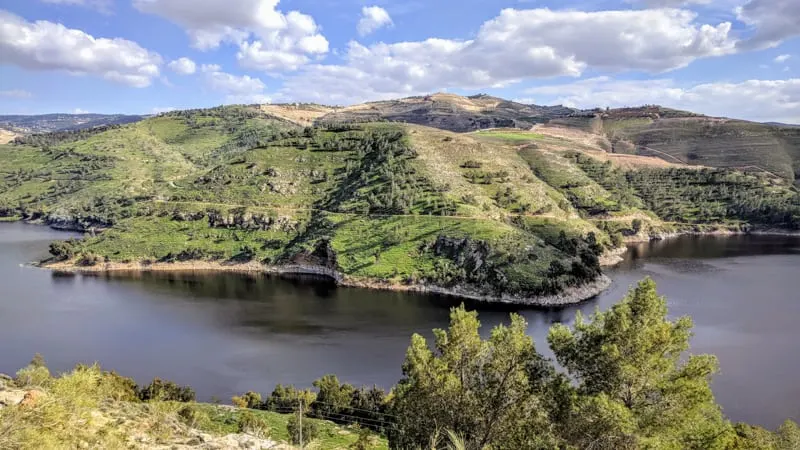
[[738, 58]]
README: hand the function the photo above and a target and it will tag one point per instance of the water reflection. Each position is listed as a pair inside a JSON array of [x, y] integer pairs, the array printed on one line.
[[227, 333]]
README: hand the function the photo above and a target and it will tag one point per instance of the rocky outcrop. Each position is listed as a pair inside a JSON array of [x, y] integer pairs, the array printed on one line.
[[246, 220]]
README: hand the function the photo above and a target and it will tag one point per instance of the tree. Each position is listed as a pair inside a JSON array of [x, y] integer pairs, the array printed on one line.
[[633, 390], [165, 390], [333, 398], [488, 391]]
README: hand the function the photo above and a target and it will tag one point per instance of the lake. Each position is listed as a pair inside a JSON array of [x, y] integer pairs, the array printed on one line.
[[224, 334]]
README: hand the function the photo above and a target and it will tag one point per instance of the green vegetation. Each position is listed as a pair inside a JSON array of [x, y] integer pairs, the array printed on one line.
[[512, 135], [626, 385], [91, 408], [376, 202], [680, 136], [701, 196], [624, 380], [232, 184]]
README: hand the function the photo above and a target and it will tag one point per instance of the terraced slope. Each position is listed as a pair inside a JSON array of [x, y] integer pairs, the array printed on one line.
[[501, 214], [376, 204], [681, 137]]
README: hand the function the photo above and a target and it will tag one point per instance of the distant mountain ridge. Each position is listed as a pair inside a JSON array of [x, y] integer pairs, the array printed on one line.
[[450, 112], [46, 123]]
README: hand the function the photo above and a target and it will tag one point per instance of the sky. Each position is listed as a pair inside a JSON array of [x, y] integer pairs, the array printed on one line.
[[735, 58]]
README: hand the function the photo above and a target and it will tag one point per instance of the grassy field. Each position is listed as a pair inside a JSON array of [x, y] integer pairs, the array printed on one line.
[[511, 135]]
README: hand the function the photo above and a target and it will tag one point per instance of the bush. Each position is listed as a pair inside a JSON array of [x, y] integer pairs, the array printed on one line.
[[89, 259], [250, 400], [472, 164], [165, 390], [191, 415], [256, 425], [310, 430], [35, 374], [63, 250]]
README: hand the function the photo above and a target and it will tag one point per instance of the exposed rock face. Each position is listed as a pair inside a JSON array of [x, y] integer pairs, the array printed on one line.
[[323, 256], [72, 223], [246, 220], [11, 397]]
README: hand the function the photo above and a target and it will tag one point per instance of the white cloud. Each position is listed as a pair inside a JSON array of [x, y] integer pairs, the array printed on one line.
[[16, 93], [44, 45], [233, 84], [773, 21], [248, 99], [210, 68], [237, 89], [782, 58], [183, 66], [759, 100], [79, 111], [267, 38], [161, 109], [100, 5], [372, 19], [515, 45], [670, 3]]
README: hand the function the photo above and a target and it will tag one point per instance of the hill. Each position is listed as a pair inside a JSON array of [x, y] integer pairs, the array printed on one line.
[[501, 215], [675, 136], [46, 123], [449, 112], [683, 137]]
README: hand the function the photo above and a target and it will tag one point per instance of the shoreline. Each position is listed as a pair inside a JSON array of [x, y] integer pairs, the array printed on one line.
[[571, 295], [718, 233]]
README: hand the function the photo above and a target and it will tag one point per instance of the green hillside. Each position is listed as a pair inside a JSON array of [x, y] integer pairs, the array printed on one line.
[[496, 213], [679, 136]]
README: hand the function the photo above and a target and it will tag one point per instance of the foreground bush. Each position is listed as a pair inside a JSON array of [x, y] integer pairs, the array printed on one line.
[[310, 430]]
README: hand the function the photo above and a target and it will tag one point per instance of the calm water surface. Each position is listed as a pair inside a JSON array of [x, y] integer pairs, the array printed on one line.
[[225, 334]]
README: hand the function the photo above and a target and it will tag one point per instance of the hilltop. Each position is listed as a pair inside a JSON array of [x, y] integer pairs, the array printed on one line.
[[449, 112], [676, 136], [503, 214]]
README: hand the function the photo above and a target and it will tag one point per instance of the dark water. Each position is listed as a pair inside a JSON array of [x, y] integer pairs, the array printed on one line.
[[225, 334]]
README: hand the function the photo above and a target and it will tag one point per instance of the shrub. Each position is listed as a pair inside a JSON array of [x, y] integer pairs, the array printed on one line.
[[35, 373], [310, 430], [364, 441], [472, 164], [192, 415], [89, 259], [250, 400], [62, 250], [256, 425], [165, 390]]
